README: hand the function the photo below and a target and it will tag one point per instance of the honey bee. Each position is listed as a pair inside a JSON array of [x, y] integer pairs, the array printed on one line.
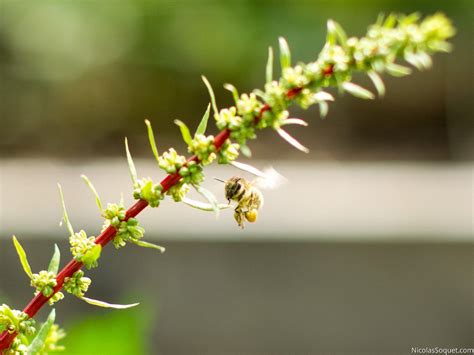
[[247, 194]]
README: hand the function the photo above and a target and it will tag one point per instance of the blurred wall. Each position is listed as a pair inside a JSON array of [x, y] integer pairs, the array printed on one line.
[[277, 298]]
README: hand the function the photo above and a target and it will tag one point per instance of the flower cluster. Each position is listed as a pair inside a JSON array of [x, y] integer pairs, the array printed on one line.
[[295, 77], [77, 284], [179, 191], [228, 118], [146, 190], [127, 230], [114, 213], [17, 348], [248, 106], [13, 321], [45, 282], [27, 342], [203, 147], [84, 249], [55, 334], [228, 152], [192, 173], [171, 161], [240, 129]]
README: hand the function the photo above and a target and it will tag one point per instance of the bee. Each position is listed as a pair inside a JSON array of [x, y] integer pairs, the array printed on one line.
[[247, 194]]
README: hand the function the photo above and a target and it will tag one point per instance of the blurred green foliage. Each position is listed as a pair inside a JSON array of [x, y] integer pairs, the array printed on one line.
[[77, 76], [111, 332]]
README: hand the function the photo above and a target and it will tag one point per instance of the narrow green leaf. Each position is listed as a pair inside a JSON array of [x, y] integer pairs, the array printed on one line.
[[209, 196], [233, 90], [248, 168], [211, 94], [142, 243], [65, 215], [425, 60], [390, 21], [441, 46], [203, 124], [203, 206], [296, 121], [98, 202], [411, 18], [286, 136], [397, 69], [22, 255], [8, 312], [54, 263], [323, 109], [378, 83], [245, 150], [37, 344], [414, 60], [91, 257], [357, 91], [285, 55], [107, 305], [151, 139], [380, 19], [269, 68], [341, 35], [184, 131], [323, 96], [336, 34], [131, 165]]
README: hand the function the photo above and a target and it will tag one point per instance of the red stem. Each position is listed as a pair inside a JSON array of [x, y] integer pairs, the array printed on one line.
[[329, 70], [108, 234]]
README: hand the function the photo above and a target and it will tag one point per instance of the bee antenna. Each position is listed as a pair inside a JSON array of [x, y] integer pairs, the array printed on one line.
[[219, 180]]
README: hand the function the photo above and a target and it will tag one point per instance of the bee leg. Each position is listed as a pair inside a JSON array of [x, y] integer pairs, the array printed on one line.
[[239, 217]]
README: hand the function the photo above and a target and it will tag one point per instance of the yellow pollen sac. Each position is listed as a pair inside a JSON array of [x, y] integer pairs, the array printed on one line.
[[251, 216]]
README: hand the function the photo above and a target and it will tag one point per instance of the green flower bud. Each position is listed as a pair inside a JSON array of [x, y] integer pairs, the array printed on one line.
[[178, 191], [16, 321], [44, 282], [248, 106], [295, 77], [170, 161], [128, 231], [203, 147], [55, 334], [77, 284], [275, 96], [228, 153], [17, 348], [114, 212], [84, 249], [227, 118], [146, 190]]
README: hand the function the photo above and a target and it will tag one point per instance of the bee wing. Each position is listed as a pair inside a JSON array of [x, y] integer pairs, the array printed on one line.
[[268, 179], [271, 181]]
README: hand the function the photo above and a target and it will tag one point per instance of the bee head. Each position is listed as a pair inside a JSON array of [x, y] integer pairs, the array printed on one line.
[[232, 187]]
